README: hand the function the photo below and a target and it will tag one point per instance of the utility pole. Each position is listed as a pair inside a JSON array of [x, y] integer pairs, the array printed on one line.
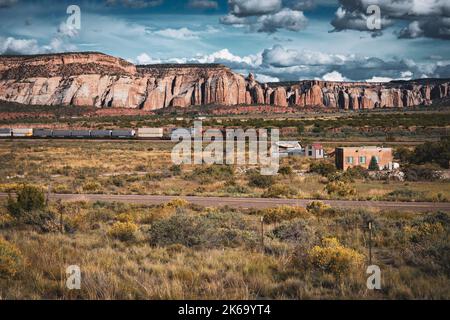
[[370, 243], [60, 207], [262, 234], [49, 190]]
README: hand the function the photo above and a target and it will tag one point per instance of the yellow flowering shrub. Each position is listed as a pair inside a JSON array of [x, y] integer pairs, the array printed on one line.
[[177, 203], [125, 217], [5, 218], [317, 207], [340, 188], [10, 259], [283, 213], [334, 258], [424, 230], [124, 231]]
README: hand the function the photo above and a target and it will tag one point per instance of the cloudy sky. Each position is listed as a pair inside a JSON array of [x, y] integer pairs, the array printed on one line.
[[277, 40]]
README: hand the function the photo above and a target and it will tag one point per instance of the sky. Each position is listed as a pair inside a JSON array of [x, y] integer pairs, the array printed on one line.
[[277, 40]]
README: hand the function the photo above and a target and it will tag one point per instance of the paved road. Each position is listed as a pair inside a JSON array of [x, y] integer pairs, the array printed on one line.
[[256, 203]]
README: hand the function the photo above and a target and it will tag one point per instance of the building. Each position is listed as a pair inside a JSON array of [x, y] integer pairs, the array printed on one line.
[[289, 148], [314, 151], [347, 157]]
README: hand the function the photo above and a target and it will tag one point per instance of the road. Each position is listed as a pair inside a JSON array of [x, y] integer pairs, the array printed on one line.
[[255, 203]]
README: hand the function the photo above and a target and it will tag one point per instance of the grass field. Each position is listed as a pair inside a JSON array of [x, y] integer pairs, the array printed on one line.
[[152, 252], [140, 167]]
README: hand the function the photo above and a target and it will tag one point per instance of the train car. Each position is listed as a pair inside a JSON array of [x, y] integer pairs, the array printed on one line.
[[123, 133], [150, 133], [100, 133], [42, 133], [81, 133], [22, 132], [62, 134], [5, 132]]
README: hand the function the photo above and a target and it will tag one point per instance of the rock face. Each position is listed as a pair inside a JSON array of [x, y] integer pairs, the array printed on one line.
[[96, 79]]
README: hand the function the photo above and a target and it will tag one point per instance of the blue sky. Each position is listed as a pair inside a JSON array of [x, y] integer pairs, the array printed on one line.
[[275, 39]]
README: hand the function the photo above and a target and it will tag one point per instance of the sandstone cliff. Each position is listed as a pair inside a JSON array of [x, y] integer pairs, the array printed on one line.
[[95, 79]]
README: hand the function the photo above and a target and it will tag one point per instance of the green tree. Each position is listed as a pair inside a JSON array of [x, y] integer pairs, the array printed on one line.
[[373, 165], [29, 199]]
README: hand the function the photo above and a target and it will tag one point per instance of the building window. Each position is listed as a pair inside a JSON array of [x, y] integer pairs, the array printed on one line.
[[362, 160], [349, 160], [310, 153]]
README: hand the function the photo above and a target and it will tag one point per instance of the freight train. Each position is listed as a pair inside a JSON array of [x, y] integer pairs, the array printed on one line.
[[141, 133]]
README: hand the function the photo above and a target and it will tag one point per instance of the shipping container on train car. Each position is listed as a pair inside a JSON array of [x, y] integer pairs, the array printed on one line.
[[42, 133], [101, 133], [123, 133], [5, 132], [62, 133], [150, 133], [22, 132], [81, 133]]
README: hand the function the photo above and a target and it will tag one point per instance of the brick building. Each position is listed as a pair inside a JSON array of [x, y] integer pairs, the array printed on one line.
[[347, 157]]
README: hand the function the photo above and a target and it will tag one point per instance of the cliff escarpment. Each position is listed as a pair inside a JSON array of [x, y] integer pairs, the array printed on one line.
[[103, 81]]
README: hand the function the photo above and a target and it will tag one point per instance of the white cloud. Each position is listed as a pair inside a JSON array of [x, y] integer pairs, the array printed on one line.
[[265, 78], [428, 18], [285, 19], [267, 15], [334, 76], [379, 79], [245, 8], [180, 34], [11, 45], [281, 57], [144, 58]]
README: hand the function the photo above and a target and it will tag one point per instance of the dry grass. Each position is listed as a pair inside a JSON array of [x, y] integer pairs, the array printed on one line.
[[136, 167], [225, 261]]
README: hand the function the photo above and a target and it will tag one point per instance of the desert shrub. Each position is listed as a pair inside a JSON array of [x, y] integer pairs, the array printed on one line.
[[333, 257], [419, 232], [5, 219], [237, 189], [118, 181], [177, 203], [317, 207], [125, 217], [283, 213], [255, 179], [208, 174], [176, 170], [356, 172], [178, 229], [404, 195], [10, 259], [29, 199], [123, 231], [279, 191], [297, 231], [211, 230], [286, 170], [426, 172], [340, 188], [322, 167], [140, 168], [92, 186]]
